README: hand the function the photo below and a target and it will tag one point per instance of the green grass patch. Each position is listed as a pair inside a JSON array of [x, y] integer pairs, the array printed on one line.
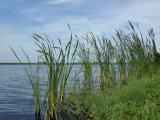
[[140, 99]]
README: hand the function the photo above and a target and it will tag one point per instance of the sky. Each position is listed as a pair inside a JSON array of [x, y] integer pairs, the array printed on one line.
[[20, 18]]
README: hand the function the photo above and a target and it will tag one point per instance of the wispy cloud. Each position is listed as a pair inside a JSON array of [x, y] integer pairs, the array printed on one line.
[[144, 12], [58, 2], [28, 11]]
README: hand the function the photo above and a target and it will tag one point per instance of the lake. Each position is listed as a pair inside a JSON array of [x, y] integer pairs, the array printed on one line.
[[16, 101], [15, 94]]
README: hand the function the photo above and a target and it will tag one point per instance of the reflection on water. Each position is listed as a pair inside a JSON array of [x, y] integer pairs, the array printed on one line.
[[16, 94]]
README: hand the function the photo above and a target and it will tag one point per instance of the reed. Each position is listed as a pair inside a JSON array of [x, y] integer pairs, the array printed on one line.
[[121, 55], [136, 50], [155, 56], [104, 55], [56, 58], [84, 54]]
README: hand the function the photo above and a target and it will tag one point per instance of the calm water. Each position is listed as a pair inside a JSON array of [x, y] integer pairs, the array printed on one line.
[[16, 94]]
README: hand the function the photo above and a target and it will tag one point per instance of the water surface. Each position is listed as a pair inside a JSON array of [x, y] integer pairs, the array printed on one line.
[[16, 101]]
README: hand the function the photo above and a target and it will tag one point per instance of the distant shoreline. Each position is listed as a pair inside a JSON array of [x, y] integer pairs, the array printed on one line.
[[31, 63], [76, 63], [17, 63]]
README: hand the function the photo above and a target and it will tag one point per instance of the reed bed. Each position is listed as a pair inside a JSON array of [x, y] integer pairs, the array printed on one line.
[[85, 55], [133, 54]]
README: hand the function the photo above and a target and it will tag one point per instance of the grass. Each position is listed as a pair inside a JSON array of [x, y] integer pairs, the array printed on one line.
[[133, 101]]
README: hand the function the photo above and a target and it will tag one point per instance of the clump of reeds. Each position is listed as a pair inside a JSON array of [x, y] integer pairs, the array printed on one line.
[[56, 58], [121, 54], [104, 55], [84, 53], [134, 50]]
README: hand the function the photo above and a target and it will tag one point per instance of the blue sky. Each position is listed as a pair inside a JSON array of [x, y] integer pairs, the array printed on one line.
[[19, 18]]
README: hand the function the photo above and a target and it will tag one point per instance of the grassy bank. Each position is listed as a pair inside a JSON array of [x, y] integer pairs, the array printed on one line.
[[138, 100]]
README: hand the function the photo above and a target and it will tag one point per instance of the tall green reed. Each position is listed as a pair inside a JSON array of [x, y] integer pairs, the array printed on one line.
[[135, 49], [104, 54], [121, 54], [56, 58], [85, 54], [59, 60]]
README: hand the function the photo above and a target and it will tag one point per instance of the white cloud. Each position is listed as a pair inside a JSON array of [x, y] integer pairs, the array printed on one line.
[[29, 11], [143, 12], [32, 14], [78, 25], [58, 2]]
